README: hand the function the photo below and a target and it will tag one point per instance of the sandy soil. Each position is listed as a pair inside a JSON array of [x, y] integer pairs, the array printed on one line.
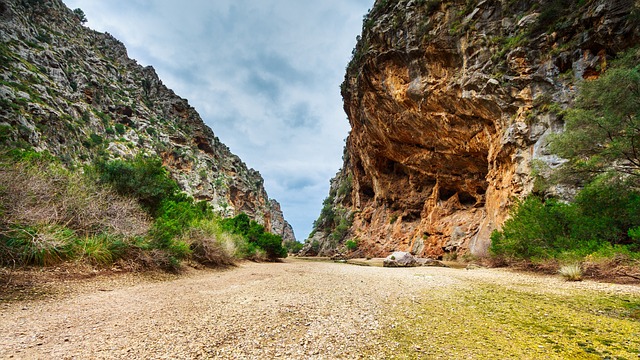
[[295, 309]]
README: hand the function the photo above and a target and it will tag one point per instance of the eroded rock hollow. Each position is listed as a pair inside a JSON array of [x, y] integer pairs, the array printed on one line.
[[450, 104]]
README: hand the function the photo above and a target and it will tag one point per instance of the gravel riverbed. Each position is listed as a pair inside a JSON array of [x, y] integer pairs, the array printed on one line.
[[295, 310]]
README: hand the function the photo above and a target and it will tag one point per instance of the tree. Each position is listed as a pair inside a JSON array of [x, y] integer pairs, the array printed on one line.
[[80, 15], [602, 131]]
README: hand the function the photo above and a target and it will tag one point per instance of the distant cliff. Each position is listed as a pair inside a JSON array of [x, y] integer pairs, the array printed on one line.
[[450, 104], [75, 92]]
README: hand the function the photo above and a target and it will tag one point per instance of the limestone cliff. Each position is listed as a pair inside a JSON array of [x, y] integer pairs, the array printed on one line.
[[450, 103], [75, 92]]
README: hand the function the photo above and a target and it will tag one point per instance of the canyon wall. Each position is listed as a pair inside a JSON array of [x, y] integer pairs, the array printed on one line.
[[75, 92], [451, 104]]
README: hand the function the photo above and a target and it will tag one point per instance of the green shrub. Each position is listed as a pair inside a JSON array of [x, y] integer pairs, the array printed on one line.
[[173, 219], [272, 245], [603, 215], [351, 245], [102, 249], [43, 245], [120, 129], [144, 179], [256, 236], [87, 221], [609, 209], [293, 247], [238, 225], [535, 229], [609, 251]]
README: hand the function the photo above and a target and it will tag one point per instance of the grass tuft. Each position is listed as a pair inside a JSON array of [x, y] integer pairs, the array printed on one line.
[[571, 272]]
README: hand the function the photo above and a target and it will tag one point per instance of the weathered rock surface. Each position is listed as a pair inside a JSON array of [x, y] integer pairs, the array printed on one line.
[[451, 103], [76, 93]]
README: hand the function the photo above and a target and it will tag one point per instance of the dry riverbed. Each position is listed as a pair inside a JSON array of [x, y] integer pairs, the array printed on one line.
[[322, 310]]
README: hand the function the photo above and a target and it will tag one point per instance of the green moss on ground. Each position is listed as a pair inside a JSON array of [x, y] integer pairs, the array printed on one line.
[[493, 322]]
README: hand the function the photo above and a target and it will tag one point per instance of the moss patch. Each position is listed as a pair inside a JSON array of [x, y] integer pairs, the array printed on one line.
[[493, 322]]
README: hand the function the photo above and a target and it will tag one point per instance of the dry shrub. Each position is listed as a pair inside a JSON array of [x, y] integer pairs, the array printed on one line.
[[209, 249], [260, 255], [48, 194], [227, 242], [137, 259], [620, 268]]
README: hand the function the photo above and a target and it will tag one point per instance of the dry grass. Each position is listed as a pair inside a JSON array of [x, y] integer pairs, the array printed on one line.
[[50, 195], [571, 272], [209, 250], [51, 215]]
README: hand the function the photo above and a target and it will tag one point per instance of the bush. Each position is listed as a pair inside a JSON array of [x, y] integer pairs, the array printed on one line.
[[100, 250], [36, 189], [272, 245], [144, 179], [50, 214], [256, 236], [603, 215], [210, 245], [120, 129], [535, 229], [351, 245], [293, 247], [610, 210], [43, 245]]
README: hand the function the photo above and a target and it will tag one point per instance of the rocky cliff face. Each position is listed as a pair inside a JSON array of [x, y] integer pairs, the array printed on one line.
[[450, 104], [76, 93]]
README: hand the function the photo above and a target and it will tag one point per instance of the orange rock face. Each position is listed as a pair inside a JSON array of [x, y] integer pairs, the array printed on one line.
[[449, 105]]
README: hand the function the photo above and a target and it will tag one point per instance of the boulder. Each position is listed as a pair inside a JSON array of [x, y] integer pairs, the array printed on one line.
[[474, 266], [400, 259], [430, 262], [338, 257]]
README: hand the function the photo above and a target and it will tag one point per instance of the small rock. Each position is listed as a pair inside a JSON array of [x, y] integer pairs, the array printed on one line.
[[430, 262], [474, 266]]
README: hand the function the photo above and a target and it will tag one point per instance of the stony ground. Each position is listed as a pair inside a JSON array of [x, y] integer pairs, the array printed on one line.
[[317, 310]]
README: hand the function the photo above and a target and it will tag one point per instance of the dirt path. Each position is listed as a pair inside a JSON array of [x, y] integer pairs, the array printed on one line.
[[295, 309]]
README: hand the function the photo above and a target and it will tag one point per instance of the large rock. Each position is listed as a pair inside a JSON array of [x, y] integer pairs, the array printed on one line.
[[400, 259], [76, 93], [450, 103]]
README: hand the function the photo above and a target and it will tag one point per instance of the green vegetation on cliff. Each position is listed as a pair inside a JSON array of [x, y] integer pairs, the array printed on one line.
[[120, 211], [601, 143]]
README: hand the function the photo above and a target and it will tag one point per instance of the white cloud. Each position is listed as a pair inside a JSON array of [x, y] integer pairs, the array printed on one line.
[[264, 75]]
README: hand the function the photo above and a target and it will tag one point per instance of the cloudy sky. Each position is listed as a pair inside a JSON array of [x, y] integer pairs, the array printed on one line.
[[263, 74]]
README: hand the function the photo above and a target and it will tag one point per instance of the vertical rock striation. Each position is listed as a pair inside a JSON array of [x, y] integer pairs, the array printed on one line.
[[450, 103], [75, 92]]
